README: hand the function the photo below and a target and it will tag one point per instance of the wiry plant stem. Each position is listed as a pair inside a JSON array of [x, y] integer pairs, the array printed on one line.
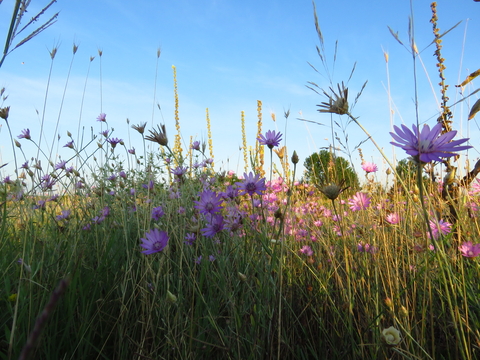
[[42, 319]]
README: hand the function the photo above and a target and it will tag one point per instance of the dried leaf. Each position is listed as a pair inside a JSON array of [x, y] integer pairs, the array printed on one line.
[[469, 78], [474, 110]]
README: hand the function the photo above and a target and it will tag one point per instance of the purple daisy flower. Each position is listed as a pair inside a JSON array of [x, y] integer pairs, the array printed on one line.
[[148, 186], [179, 171], [271, 139], [157, 213], [306, 250], [252, 184], [47, 182], [154, 242], [215, 226], [190, 238], [196, 145], [25, 134], [114, 141], [98, 220], [69, 144], [105, 211], [209, 203], [61, 165], [230, 193], [439, 227], [102, 117], [40, 204], [427, 145], [64, 215]]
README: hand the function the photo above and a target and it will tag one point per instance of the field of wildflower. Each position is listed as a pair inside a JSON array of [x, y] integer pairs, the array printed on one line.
[[120, 253]]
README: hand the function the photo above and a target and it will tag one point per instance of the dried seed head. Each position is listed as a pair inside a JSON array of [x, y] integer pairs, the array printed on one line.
[[140, 128], [333, 190], [4, 113], [53, 53], [280, 152], [278, 214], [337, 104], [160, 136]]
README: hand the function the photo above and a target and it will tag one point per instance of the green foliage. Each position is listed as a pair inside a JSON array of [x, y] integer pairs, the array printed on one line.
[[324, 167]]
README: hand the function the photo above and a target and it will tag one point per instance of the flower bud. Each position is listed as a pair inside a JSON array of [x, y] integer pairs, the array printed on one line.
[[295, 157], [4, 112], [171, 298], [242, 277], [403, 311], [391, 336], [389, 303], [278, 214]]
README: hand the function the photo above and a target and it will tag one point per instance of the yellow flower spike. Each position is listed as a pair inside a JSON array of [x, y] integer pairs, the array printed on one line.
[[244, 141], [12, 298], [260, 149], [210, 142], [177, 148]]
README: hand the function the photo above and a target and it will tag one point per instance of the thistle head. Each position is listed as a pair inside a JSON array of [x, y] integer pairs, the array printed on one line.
[[333, 190], [159, 136], [337, 103]]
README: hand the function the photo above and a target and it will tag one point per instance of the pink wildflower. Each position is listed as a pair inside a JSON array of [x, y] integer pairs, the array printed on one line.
[[468, 249], [360, 201], [369, 167]]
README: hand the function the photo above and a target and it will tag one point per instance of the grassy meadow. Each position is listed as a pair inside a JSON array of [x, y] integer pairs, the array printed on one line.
[[122, 253]]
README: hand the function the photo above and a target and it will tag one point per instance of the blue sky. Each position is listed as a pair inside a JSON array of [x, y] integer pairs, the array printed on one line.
[[228, 55]]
